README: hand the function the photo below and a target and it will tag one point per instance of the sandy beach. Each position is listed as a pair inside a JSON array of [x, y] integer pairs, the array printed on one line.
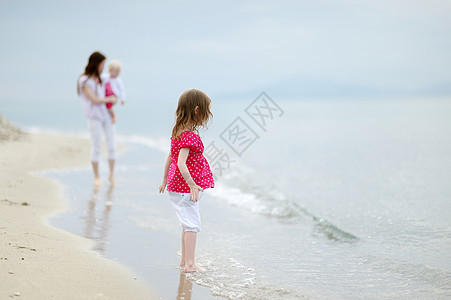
[[38, 261]]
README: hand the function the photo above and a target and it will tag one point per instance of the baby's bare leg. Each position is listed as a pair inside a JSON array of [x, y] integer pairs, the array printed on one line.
[[113, 115]]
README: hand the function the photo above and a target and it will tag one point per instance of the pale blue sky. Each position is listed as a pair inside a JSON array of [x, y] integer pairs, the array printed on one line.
[[295, 49]]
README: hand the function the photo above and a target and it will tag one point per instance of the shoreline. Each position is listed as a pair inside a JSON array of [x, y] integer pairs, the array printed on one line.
[[38, 261]]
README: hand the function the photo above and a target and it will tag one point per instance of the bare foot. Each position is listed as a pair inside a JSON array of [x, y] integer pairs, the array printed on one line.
[[97, 182], [194, 268]]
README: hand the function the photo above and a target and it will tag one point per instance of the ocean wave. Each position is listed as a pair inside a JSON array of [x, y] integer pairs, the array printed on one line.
[[257, 202], [439, 280], [53, 131], [157, 143], [266, 199]]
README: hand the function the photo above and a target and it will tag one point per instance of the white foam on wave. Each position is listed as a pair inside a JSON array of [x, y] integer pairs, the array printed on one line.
[[158, 143], [53, 131], [237, 189], [273, 205], [227, 277], [238, 198]]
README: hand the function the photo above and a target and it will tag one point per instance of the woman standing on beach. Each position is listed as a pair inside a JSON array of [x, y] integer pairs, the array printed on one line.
[[91, 90], [186, 172]]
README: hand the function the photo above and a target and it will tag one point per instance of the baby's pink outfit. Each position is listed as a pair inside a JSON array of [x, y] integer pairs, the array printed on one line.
[[108, 92]]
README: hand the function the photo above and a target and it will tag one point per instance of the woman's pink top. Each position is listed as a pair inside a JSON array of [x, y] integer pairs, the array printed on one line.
[[109, 92], [197, 165]]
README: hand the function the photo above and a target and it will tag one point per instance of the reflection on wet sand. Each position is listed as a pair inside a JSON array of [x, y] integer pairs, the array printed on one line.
[[97, 220], [185, 288]]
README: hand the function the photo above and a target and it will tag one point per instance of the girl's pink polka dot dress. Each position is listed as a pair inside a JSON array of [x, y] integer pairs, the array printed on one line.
[[197, 165]]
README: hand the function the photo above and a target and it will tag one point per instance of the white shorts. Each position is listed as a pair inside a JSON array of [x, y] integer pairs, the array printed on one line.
[[186, 210]]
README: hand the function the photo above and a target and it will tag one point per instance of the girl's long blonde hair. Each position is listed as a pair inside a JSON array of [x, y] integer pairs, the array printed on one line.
[[187, 117]]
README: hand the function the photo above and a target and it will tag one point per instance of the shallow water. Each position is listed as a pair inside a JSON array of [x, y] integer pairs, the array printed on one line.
[[336, 200]]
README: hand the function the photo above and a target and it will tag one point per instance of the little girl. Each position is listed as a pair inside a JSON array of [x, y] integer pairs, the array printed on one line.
[[186, 172]]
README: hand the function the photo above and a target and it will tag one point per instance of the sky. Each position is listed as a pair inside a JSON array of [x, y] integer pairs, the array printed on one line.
[[230, 49]]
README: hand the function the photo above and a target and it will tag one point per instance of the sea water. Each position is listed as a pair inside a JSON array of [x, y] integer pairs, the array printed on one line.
[[332, 199]]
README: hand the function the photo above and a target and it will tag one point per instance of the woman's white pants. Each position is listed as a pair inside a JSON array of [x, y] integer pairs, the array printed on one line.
[[96, 127]]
